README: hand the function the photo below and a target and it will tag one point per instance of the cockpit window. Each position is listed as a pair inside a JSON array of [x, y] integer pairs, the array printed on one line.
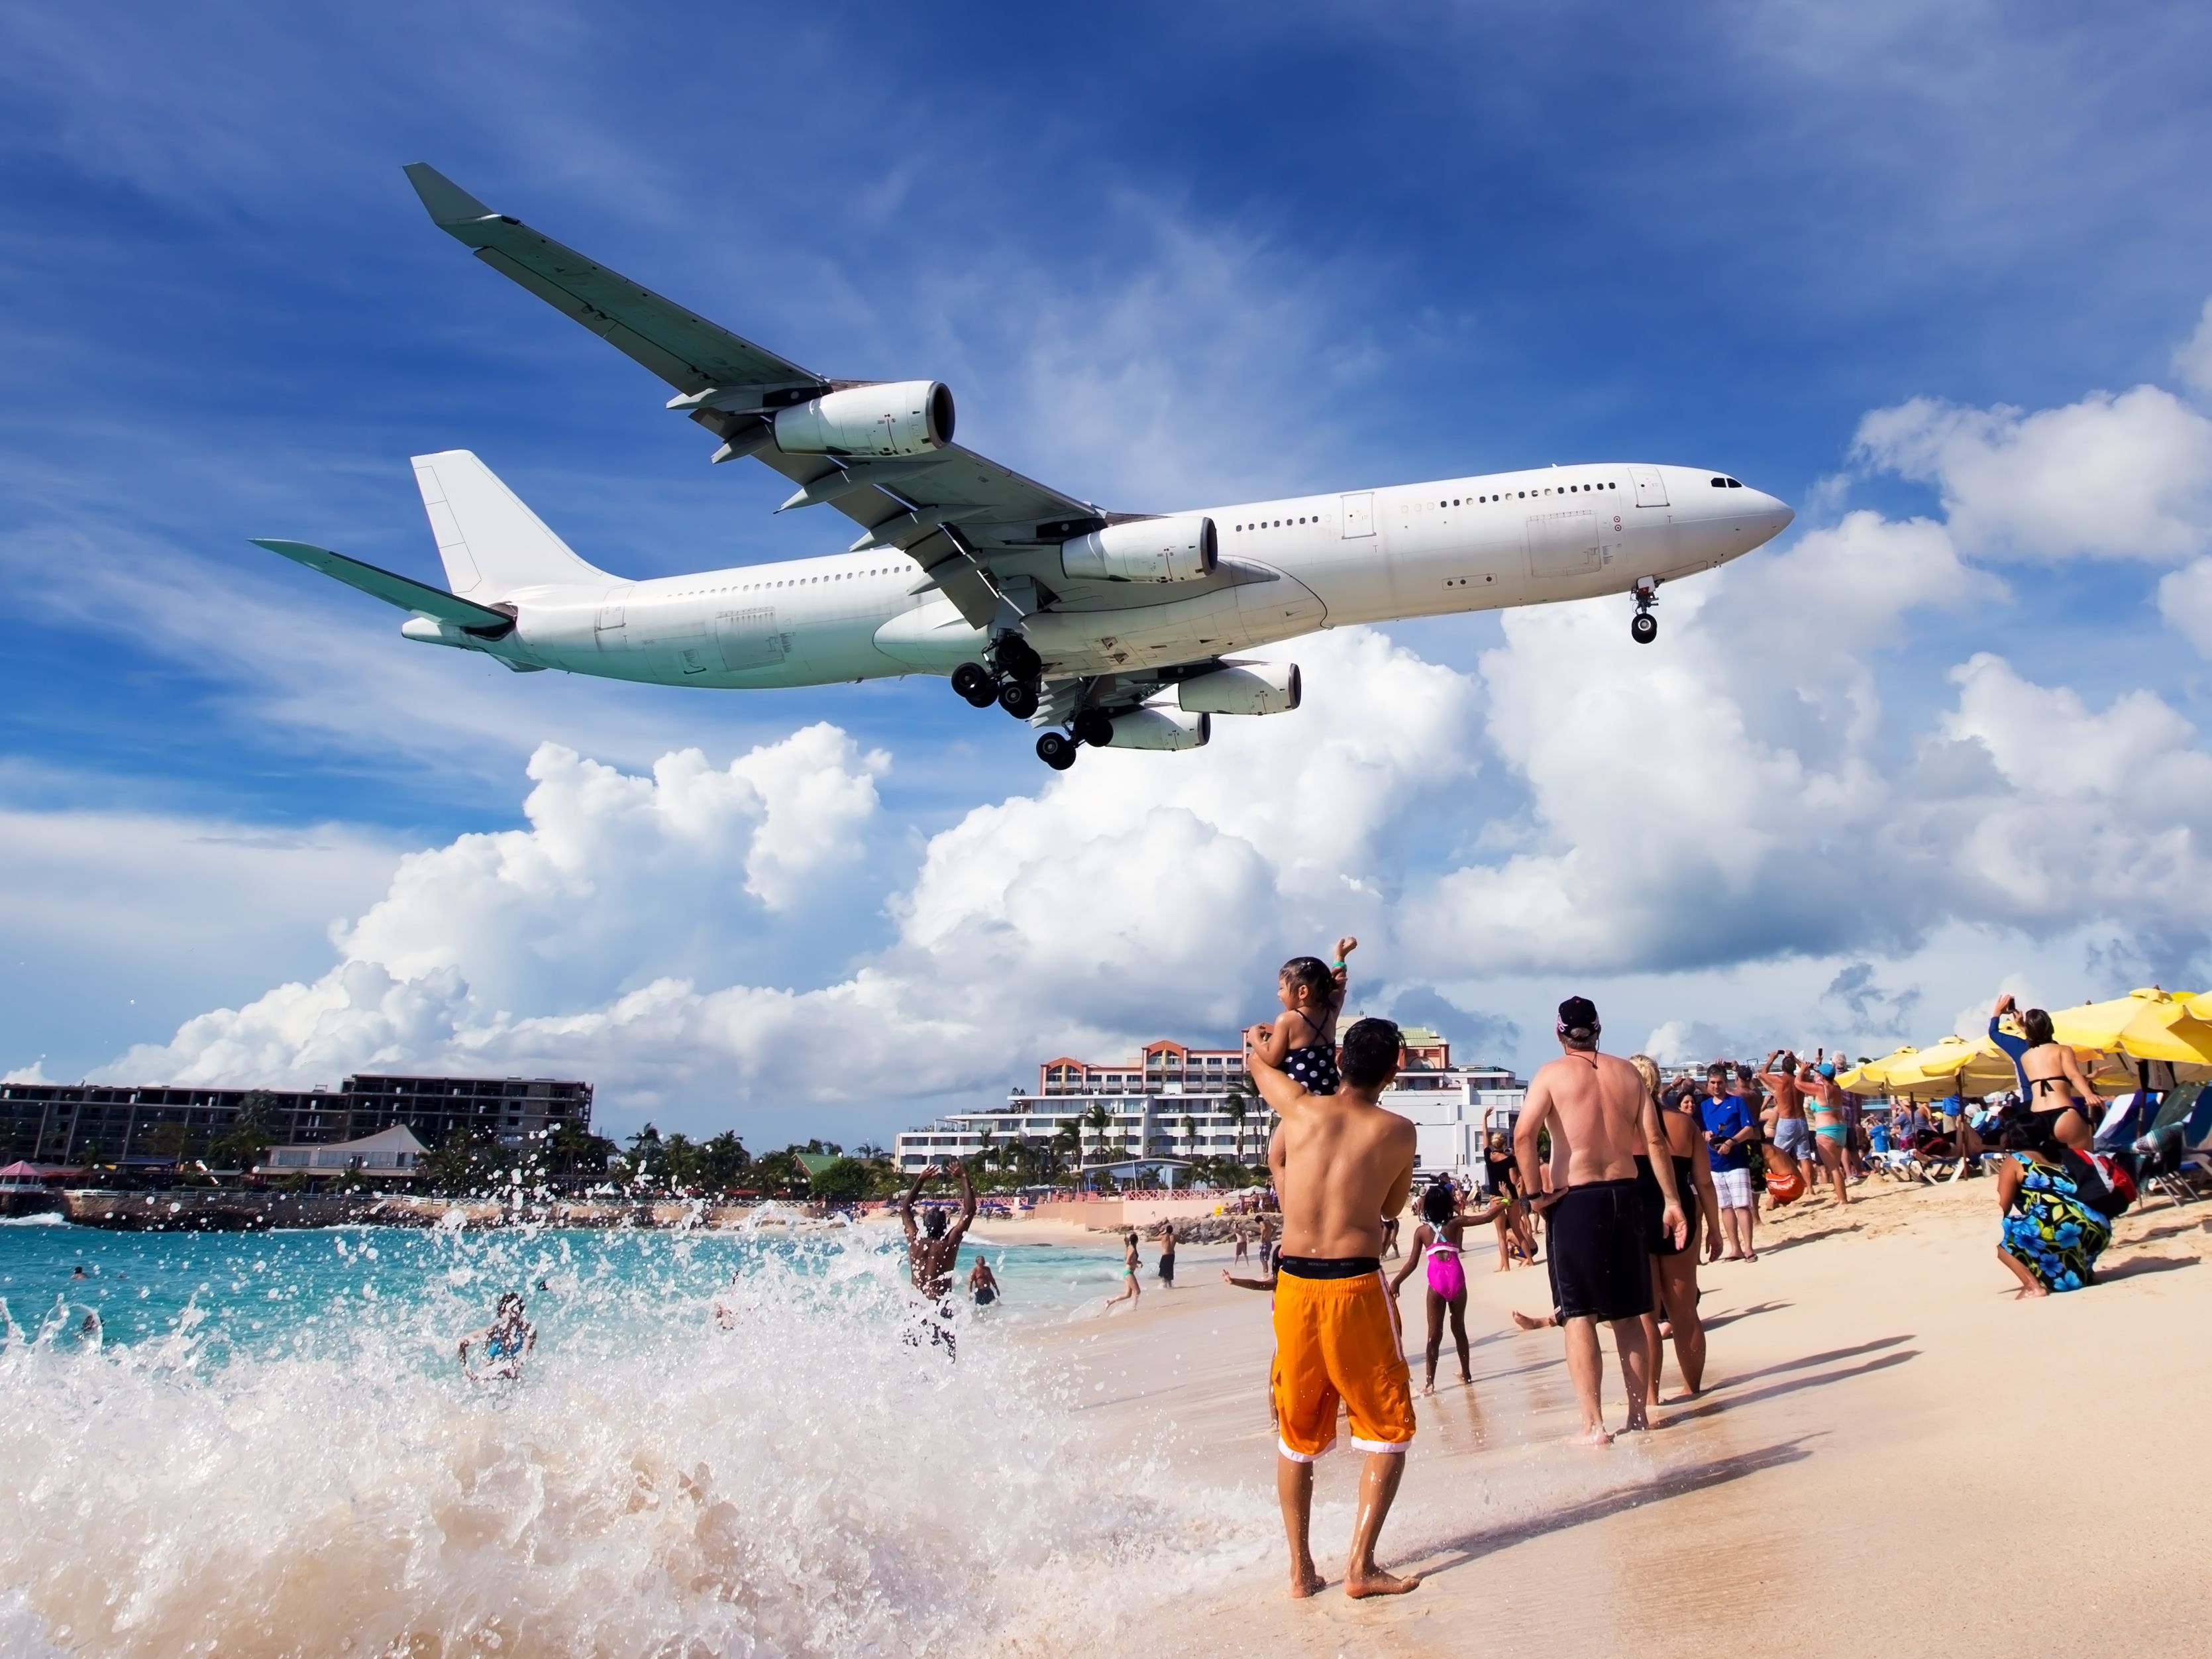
[[1726, 484]]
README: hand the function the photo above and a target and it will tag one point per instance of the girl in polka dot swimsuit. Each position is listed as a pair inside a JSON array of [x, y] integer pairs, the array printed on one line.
[[1303, 1041]]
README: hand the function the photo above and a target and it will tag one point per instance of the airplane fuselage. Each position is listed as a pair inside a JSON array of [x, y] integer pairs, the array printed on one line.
[[1286, 568]]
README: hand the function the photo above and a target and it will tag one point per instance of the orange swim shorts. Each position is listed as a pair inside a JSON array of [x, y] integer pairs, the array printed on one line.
[[1336, 1340]]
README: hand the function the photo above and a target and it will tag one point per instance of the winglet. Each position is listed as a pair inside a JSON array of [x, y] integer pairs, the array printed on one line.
[[449, 204]]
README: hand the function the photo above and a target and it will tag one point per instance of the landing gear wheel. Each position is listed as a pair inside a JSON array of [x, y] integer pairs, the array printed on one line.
[[1056, 749], [973, 681], [1019, 698], [1013, 657], [1093, 726], [1644, 628]]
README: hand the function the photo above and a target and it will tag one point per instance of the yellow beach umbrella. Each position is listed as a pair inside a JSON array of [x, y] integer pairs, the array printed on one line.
[[1874, 1076], [1968, 1067], [2145, 1024]]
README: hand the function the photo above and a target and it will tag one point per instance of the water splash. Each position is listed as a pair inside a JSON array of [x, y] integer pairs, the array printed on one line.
[[807, 1480]]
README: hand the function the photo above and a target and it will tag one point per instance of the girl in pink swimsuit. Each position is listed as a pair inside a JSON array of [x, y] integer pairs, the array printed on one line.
[[1436, 1241]]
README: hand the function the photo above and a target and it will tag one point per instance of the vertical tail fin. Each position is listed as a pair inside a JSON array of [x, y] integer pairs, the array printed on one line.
[[491, 542]]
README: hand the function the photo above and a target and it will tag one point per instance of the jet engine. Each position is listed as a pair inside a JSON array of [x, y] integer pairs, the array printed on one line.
[[1160, 728], [1144, 550], [1243, 687], [904, 418]]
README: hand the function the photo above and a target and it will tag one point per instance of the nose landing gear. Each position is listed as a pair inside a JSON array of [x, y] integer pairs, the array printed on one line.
[[1644, 627]]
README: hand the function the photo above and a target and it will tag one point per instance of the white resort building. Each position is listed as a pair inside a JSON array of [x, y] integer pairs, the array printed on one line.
[[392, 1152], [1174, 1104]]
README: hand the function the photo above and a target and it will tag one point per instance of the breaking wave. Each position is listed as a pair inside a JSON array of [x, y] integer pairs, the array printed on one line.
[[289, 1461]]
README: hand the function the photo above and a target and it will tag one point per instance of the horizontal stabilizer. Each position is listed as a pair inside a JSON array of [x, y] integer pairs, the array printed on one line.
[[402, 591]]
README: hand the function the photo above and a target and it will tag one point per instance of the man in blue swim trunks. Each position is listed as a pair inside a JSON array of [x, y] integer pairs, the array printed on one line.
[[1793, 1135]]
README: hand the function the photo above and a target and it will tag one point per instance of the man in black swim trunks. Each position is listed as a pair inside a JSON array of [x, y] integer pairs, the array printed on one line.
[[1598, 1236]]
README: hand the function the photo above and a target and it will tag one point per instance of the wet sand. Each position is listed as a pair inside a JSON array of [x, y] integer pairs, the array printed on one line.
[[1892, 1455]]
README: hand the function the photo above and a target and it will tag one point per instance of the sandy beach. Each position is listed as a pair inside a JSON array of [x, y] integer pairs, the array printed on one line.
[[1892, 1455]]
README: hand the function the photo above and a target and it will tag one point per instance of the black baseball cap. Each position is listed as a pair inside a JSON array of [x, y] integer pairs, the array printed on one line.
[[1578, 1014]]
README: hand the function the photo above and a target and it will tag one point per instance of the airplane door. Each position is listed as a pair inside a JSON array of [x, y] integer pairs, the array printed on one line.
[[749, 639], [1563, 545], [1359, 515], [1650, 488], [608, 626]]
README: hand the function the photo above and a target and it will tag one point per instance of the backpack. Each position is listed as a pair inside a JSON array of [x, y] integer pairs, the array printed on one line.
[[2105, 1182]]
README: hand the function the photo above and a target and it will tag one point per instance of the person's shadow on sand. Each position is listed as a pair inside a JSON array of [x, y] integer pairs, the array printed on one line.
[[2135, 1267]]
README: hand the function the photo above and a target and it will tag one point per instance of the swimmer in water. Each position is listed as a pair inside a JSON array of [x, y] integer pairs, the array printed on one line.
[[982, 1284], [933, 1251], [506, 1341]]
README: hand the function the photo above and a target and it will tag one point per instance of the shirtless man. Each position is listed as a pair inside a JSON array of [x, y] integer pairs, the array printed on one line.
[[1600, 1228], [1792, 1135], [1341, 1164], [932, 1251]]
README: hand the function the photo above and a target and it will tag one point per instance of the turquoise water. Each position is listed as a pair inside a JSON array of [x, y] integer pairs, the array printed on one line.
[[267, 1446], [301, 1292]]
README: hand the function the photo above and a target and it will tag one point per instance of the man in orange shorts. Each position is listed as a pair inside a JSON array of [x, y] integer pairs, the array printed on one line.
[[1341, 1164]]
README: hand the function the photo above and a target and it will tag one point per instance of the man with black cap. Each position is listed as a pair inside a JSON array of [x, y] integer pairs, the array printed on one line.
[[1598, 1110]]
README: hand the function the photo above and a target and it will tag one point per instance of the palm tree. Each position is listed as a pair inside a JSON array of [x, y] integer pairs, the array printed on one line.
[[1068, 1142], [1237, 1109], [1189, 1136], [1098, 1121]]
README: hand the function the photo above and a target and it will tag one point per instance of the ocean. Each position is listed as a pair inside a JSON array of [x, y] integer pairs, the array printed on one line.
[[264, 1443]]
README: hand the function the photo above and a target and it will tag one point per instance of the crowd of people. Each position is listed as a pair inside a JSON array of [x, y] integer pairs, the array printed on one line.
[[1634, 1178], [1618, 1180]]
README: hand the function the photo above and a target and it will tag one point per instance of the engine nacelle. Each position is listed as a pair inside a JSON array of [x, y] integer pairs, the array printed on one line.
[[907, 417], [1244, 688], [1160, 728], [1147, 550]]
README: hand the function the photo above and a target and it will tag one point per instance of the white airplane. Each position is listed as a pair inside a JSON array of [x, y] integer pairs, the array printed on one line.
[[1111, 628]]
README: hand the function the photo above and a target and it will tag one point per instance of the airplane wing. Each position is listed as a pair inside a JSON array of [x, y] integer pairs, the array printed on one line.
[[975, 528], [402, 591]]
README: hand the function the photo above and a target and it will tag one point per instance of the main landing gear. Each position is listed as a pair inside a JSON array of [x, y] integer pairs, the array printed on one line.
[[1644, 627], [1013, 681], [1058, 749]]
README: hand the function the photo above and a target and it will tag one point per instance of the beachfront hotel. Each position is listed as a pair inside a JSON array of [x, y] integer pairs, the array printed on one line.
[[71, 1123], [1174, 1104]]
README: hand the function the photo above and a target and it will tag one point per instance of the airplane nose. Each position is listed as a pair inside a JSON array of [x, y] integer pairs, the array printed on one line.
[[1772, 516]]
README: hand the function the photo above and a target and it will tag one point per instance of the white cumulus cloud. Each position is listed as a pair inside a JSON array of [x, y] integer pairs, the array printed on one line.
[[2126, 476]]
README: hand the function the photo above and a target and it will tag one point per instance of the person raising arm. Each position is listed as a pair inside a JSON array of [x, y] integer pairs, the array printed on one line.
[[1341, 1164]]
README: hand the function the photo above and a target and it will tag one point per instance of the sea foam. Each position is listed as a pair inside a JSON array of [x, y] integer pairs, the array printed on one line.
[[807, 1480]]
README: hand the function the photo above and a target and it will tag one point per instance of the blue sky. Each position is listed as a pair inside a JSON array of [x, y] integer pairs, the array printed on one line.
[[1165, 256]]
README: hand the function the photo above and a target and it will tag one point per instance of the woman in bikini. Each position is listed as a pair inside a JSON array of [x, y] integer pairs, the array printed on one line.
[[1131, 1261], [1674, 1269], [2053, 1087], [1436, 1241], [1514, 1237]]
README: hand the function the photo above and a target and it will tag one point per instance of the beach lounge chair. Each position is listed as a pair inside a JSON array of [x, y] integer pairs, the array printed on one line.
[[2195, 1165], [2165, 1147]]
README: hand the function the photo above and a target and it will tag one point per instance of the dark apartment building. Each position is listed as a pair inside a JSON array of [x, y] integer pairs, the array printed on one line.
[[73, 1123]]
